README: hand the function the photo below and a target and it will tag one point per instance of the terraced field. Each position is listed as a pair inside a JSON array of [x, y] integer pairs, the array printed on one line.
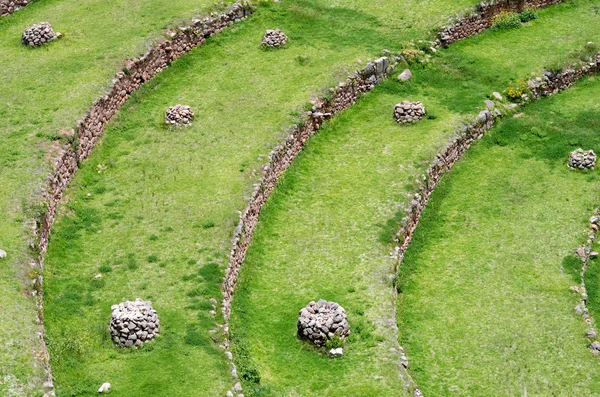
[[43, 92], [327, 230], [182, 189], [485, 305], [151, 213]]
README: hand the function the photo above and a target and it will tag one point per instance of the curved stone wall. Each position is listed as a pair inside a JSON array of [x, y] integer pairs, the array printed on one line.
[[90, 128], [552, 83], [481, 17]]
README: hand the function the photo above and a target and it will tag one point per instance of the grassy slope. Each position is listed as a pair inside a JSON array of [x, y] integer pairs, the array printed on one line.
[[325, 232], [163, 211], [43, 91], [485, 306]]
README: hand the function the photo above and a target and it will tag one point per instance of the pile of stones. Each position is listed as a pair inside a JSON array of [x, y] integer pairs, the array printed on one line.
[[133, 323], [582, 160], [38, 35], [179, 115], [321, 321], [407, 112], [274, 38]]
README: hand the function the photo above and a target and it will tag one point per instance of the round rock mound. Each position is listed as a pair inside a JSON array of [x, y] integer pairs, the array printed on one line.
[[179, 115], [407, 112], [321, 321], [274, 38], [38, 35], [582, 160], [133, 323]]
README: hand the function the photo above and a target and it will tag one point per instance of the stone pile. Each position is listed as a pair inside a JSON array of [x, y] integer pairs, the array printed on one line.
[[38, 35], [133, 323], [7, 7], [179, 115], [321, 321], [407, 112], [582, 160], [274, 38]]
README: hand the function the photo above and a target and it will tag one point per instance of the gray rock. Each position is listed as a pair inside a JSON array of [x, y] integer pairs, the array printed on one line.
[[2, 254], [105, 388], [405, 75], [497, 96], [335, 353]]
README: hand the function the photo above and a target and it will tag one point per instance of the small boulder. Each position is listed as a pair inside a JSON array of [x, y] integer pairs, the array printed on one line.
[[497, 96], [405, 75], [2, 254], [336, 352], [104, 388]]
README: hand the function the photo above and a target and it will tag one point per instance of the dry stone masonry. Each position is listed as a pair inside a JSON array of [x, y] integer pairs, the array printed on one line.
[[7, 7], [91, 127], [179, 115], [407, 112], [274, 39], [38, 35], [585, 253], [481, 17], [582, 160], [321, 321], [133, 323], [342, 97]]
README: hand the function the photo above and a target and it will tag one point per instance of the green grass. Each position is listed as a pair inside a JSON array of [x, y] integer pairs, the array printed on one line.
[[43, 91], [326, 231], [485, 307], [172, 194]]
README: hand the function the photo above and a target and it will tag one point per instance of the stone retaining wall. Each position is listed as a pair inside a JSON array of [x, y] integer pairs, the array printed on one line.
[[584, 253], [135, 73], [343, 96], [90, 128], [7, 7], [462, 140], [481, 18], [464, 137]]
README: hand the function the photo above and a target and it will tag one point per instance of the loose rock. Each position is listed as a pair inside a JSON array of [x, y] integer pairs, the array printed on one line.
[[405, 75], [407, 112], [321, 321], [274, 39], [104, 388], [179, 115], [582, 160], [38, 35], [2, 254], [335, 353], [133, 323]]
